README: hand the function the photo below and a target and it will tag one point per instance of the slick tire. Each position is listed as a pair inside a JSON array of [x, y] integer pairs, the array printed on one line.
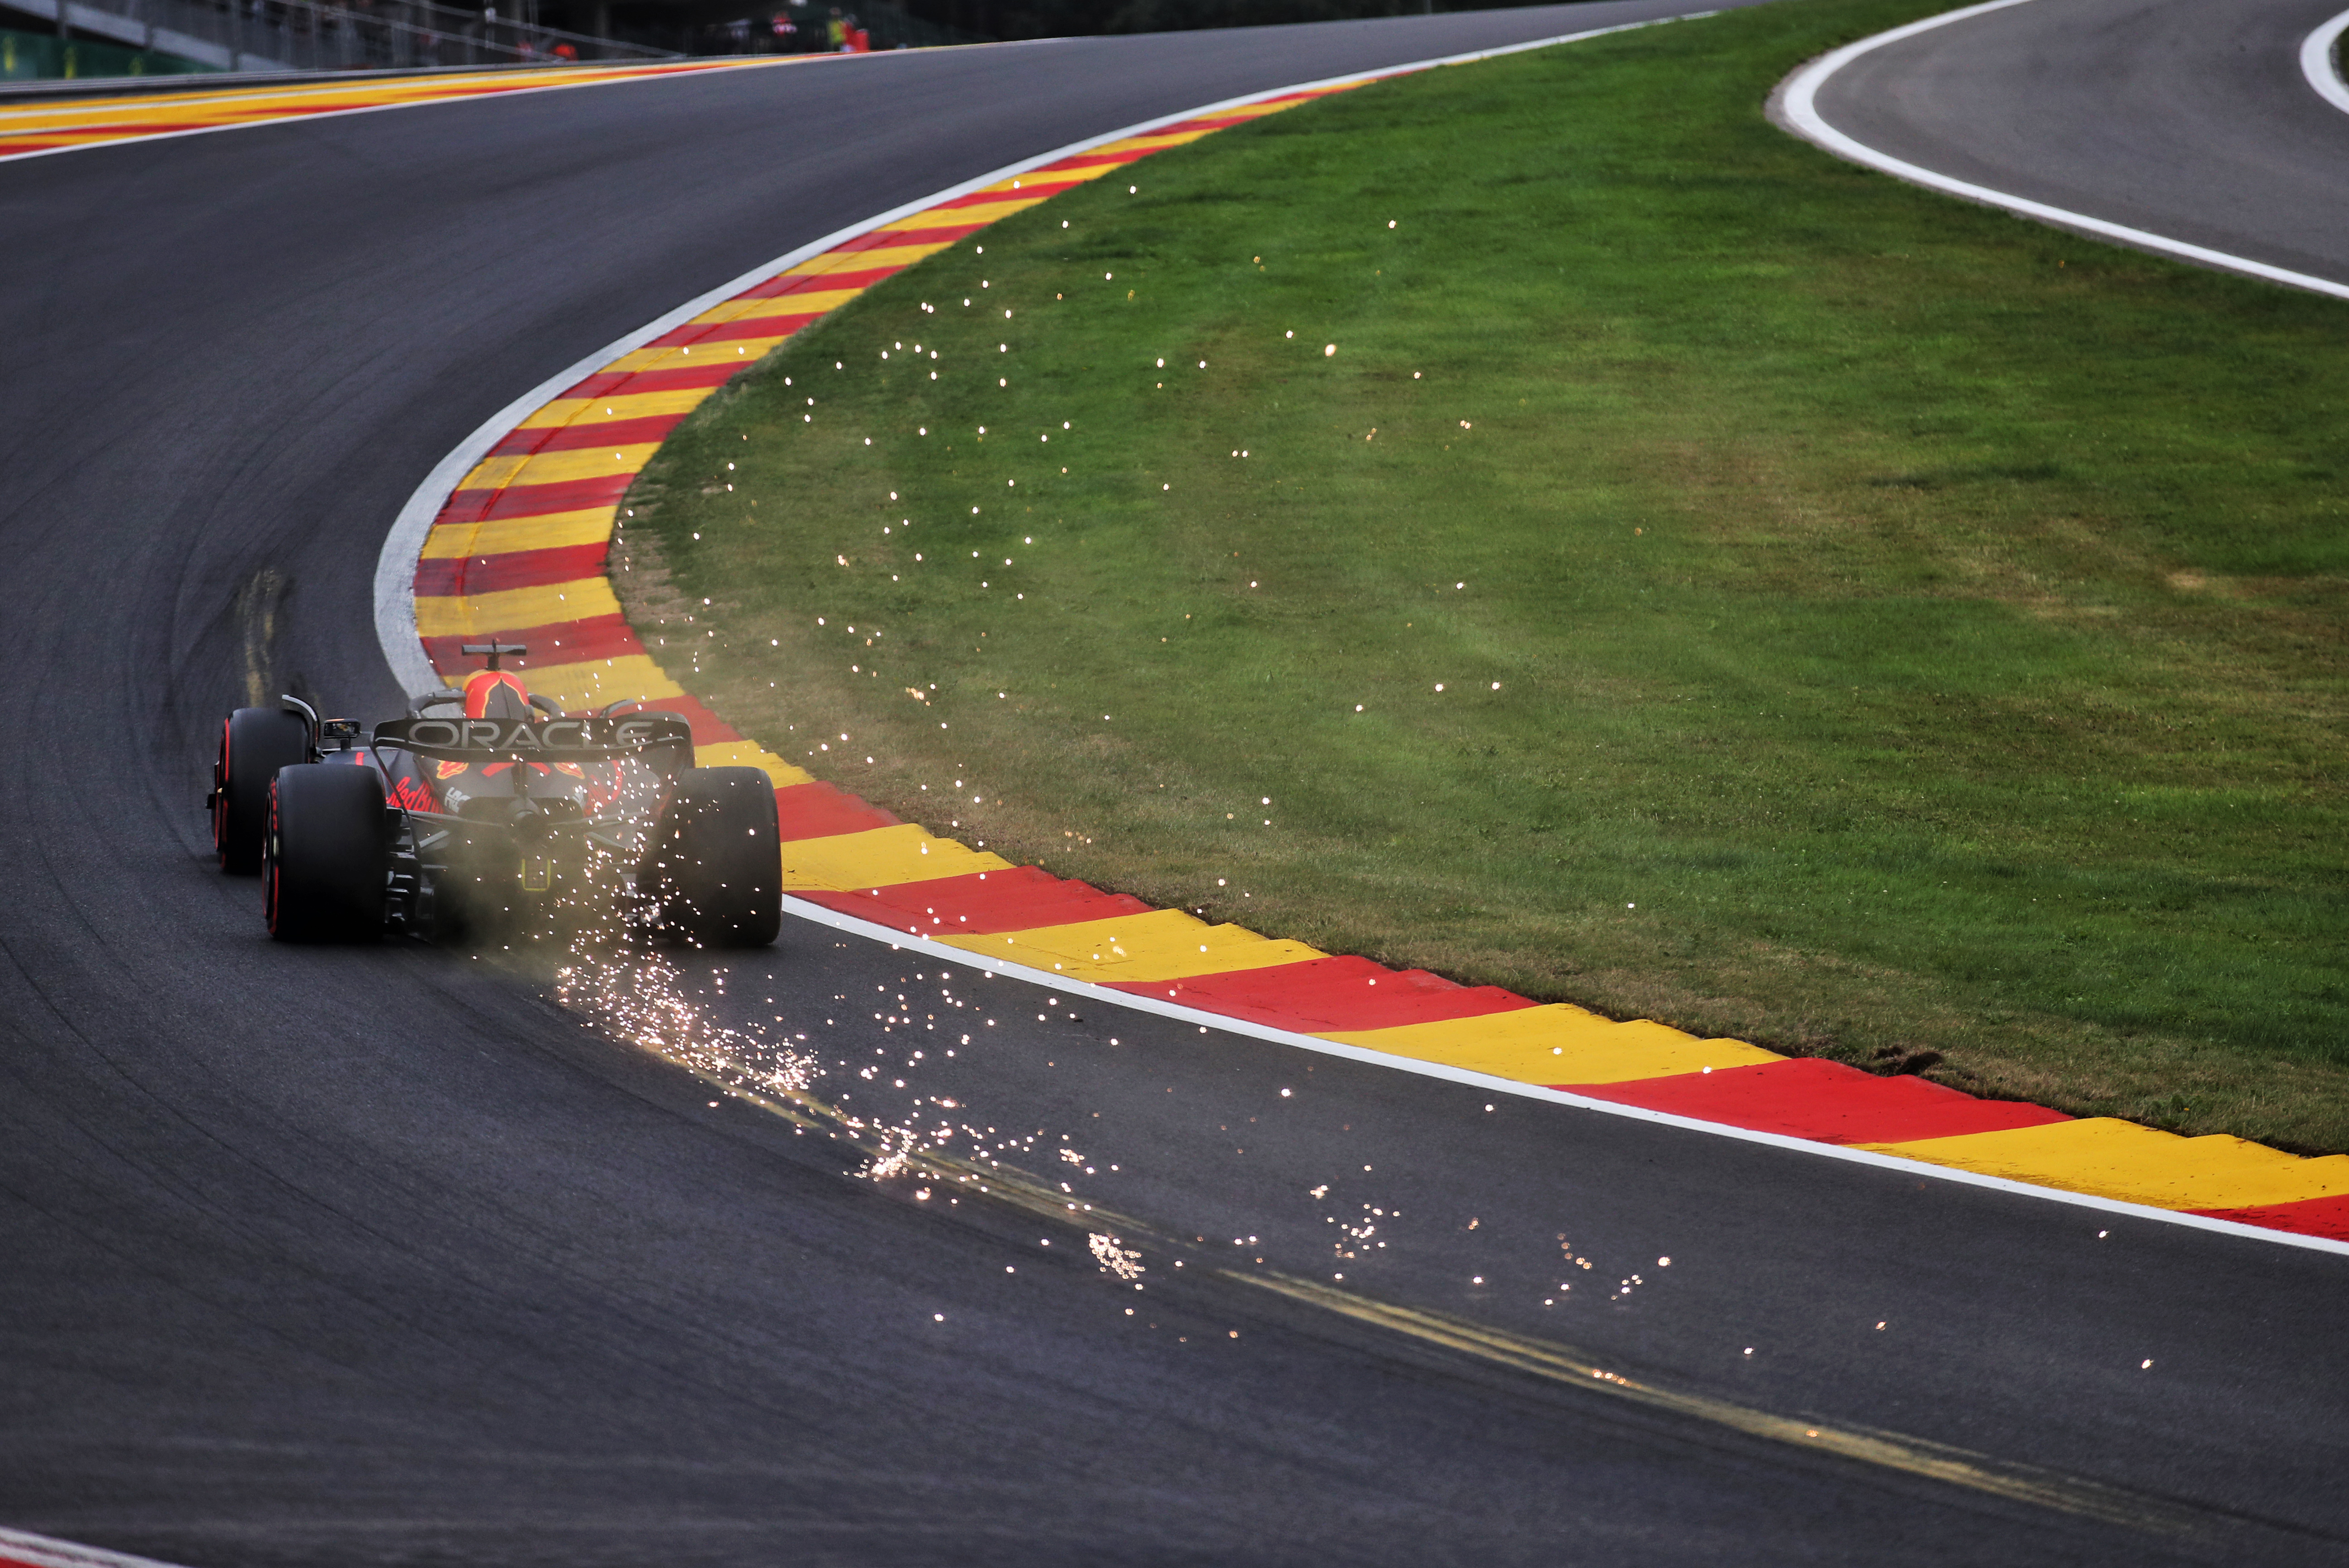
[[716, 867], [254, 743], [329, 854]]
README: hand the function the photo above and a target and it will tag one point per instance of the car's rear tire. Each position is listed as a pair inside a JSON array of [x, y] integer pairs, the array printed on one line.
[[254, 743], [329, 859], [716, 866]]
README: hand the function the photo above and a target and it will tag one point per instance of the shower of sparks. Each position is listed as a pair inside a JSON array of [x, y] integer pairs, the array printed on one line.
[[1113, 1259], [633, 990], [641, 993]]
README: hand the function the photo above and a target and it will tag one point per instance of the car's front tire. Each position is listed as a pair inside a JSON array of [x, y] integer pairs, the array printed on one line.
[[716, 865], [254, 743], [329, 854]]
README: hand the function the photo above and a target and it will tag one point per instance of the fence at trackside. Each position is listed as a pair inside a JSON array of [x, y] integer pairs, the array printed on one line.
[[318, 36]]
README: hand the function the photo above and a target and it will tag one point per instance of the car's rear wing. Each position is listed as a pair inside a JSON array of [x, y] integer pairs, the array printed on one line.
[[474, 739]]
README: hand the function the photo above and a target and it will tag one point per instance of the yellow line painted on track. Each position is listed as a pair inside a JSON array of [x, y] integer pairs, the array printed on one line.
[[1164, 944], [1563, 1365], [1887, 1451], [2112, 1158]]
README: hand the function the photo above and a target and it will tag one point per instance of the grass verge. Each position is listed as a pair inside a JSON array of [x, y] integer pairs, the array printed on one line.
[[1705, 582]]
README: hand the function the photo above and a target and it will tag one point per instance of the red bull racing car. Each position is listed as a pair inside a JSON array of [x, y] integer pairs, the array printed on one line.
[[487, 802]]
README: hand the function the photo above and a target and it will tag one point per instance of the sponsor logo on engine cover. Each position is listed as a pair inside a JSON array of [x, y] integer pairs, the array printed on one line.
[[522, 737], [503, 734]]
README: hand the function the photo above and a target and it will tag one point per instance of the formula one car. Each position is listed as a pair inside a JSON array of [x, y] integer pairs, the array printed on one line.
[[506, 805]]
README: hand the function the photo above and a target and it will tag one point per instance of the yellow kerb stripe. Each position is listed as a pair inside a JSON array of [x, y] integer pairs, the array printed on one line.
[[1152, 143], [1092, 171], [631, 406], [1041, 184], [979, 212], [1164, 944], [807, 302], [864, 261], [2110, 1158], [595, 682], [880, 858], [736, 351], [515, 609], [555, 531], [555, 467], [1556, 1044], [751, 754]]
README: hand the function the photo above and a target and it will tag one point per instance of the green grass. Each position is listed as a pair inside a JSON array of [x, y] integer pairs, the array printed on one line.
[[1888, 626]]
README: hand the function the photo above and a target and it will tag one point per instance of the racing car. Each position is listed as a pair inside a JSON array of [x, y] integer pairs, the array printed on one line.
[[492, 800]]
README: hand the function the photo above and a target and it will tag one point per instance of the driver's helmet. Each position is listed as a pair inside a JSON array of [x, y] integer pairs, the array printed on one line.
[[495, 694]]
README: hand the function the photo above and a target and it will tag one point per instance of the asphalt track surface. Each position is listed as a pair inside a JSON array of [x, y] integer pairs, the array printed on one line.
[[361, 1257], [2188, 120]]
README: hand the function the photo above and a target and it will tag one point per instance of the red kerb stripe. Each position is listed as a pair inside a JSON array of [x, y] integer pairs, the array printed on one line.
[[982, 903], [724, 332], [810, 282], [620, 383], [819, 810], [2326, 1216], [708, 729], [534, 499], [563, 642], [886, 239], [1825, 1101], [586, 434], [1331, 994], [456, 576], [1096, 159], [1038, 187]]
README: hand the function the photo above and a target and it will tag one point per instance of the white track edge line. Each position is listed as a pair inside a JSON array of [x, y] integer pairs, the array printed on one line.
[[2316, 62], [1799, 102], [1222, 1024], [46, 1552], [403, 649]]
